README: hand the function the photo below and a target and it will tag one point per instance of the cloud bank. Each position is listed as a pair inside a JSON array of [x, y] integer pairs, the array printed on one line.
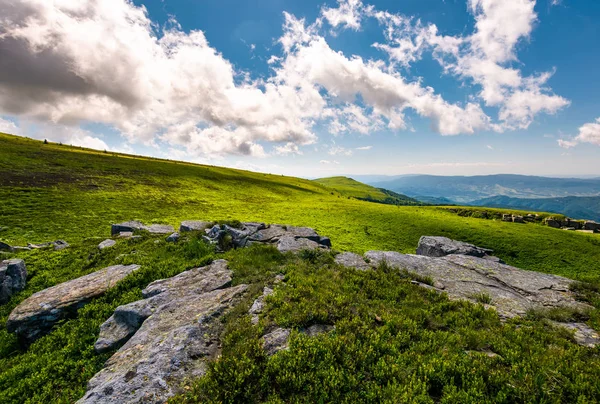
[[63, 63]]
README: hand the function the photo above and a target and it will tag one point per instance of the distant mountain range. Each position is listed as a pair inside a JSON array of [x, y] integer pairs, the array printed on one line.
[[580, 207], [462, 189]]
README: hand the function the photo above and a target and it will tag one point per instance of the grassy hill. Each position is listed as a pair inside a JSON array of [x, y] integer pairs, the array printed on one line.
[[577, 207], [393, 342], [351, 188]]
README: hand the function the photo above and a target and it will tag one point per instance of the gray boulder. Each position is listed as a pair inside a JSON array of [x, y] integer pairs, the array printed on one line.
[[352, 260], [13, 278], [582, 333], [177, 332], [194, 225], [160, 229], [131, 226], [275, 341], [294, 244], [107, 244], [551, 222], [37, 314], [173, 238], [5, 247], [442, 246]]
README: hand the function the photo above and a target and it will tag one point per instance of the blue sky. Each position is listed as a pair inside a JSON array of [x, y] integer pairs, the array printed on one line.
[[312, 88]]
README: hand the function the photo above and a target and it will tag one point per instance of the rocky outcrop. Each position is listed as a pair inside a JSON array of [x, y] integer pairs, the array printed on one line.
[[13, 278], [173, 238], [194, 225], [170, 335], [442, 246], [571, 224], [285, 238], [134, 226], [6, 247], [37, 314], [352, 260], [106, 244]]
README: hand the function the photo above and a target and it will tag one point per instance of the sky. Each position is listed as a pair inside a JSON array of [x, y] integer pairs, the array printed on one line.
[[312, 88]]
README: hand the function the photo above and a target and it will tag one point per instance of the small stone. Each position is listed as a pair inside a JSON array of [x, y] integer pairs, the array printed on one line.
[[194, 225], [5, 247], [13, 278], [126, 234], [60, 245], [106, 244], [173, 238], [127, 226], [276, 341]]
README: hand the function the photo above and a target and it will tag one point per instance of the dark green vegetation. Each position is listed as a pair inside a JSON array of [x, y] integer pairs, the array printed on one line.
[[463, 189], [354, 189], [393, 340], [577, 207]]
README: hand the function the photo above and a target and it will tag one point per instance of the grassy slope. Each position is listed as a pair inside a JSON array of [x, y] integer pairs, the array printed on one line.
[[354, 189], [394, 340], [58, 192]]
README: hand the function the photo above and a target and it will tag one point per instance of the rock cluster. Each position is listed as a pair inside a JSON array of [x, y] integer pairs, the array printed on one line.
[[56, 245], [37, 314], [169, 336], [134, 226], [570, 224], [519, 218], [286, 238], [13, 278]]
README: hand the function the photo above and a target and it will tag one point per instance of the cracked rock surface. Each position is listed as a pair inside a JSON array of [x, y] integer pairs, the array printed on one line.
[[170, 335], [38, 313]]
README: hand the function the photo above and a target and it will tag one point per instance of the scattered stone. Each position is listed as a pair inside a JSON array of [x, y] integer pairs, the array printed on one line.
[[551, 222], [173, 238], [487, 353], [127, 227], [13, 278], [194, 225], [170, 335], [37, 314], [295, 244], [352, 260], [57, 245], [160, 229], [512, 291], [279, 278], [60, 245], [5, 247], [276, 341], [441, 246], [258, 305], [106, 244], [19, 248], [591, 225], [518, 219], [317, 329], [126, 234]]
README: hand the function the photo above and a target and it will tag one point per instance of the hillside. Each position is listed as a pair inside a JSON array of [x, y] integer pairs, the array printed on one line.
[[392, 340], [351, 188], [577, 207], [467, 189]]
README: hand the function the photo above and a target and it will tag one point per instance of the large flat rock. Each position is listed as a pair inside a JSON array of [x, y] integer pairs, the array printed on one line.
[[512, 291], [37, 314], [171, 336]]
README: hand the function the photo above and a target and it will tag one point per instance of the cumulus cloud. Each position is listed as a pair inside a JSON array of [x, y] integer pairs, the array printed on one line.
[[588, 133], [328, 162], [9, 127], [364, 148], [64, 63], [335, 150]]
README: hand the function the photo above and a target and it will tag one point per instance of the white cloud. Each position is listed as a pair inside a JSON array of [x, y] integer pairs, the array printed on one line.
[[490, 147], [107, 62], [364, 148], [348, 13], [588, 133], [9, 127], [335, 150], [328, 162]]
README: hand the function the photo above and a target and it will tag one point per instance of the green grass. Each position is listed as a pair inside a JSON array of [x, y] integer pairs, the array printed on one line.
[[351, 188], [393, 341]]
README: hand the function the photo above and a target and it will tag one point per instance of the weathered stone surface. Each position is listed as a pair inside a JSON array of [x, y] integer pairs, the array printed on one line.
[[128, 319], [37, 314], [127, 226], [194, 225], [178, 332], [290, 243], [276, 340], [173, 238], [160, 229], [106, 244], [317, 329], [582, 333], [352, 260], [57, 245], [258, 305], [512, 291], [553, 223], [126, 234], [442, 246], [13, 278], [5, 247], [591, 225]]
